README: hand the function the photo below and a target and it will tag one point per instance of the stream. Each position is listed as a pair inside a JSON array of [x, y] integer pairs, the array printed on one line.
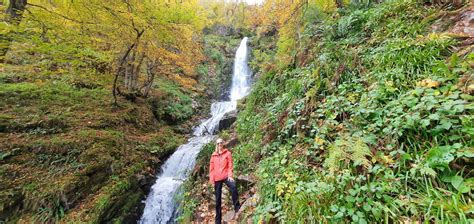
[[160, 204]]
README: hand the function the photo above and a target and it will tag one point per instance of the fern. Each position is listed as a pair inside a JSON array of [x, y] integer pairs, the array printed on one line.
[[360, 152], [347, 151]]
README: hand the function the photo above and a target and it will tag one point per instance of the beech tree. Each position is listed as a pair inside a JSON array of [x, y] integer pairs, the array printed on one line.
[[148, 37], [15, 9]]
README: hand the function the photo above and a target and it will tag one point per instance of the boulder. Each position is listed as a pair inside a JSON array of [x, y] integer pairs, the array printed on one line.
[[247, 207], [227, 120], [195, 105], [250, 179], [246, 180], [232, 142]]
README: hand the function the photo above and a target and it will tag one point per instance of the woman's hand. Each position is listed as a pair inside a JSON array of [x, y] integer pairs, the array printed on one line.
[[231, 179]]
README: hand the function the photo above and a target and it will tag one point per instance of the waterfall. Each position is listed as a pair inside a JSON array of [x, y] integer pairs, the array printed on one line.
[[160, 204], [241, 77]]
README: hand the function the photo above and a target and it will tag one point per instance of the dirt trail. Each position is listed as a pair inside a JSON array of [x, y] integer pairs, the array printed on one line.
[[205, 212]]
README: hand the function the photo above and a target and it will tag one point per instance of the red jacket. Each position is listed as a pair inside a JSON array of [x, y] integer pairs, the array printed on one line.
[[221, 166]]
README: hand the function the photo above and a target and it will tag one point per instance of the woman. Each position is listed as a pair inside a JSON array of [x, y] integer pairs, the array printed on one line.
[[220, 171]]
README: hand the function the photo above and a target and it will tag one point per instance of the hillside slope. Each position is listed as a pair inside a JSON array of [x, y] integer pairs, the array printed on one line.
[[363, 115], [66, 150], [68, 153]]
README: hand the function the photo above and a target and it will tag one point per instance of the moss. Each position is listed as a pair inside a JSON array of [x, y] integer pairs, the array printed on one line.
[[65, 144], [216, 71]]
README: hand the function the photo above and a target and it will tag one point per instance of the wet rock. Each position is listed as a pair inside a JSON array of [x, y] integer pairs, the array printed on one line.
[[457, 23], [123, 206], [142, 180], [464, 24], [210, 93], [224, 30], [232, 142], [247, 178], [248, 205], [195, 105], [227, 120]]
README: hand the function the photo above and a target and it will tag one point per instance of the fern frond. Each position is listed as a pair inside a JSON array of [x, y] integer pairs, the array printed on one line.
[[360, 152], [347, 151]]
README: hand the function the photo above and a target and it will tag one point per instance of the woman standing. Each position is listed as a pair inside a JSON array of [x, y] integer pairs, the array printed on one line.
[[220, 171]]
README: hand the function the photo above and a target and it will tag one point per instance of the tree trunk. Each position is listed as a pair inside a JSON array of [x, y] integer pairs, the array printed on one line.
[[136, 72], [14, 11], [119, 70], [151, 76], [122, 63]]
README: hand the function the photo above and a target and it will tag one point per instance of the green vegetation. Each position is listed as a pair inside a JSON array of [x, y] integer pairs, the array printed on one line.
[[372, 123], [190, 200], [174, 105], [219, 49], [360, 112], [68, 153]]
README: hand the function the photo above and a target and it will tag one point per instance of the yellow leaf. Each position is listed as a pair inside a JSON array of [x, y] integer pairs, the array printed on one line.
[[428, 83], [319, 141], [470, 87]]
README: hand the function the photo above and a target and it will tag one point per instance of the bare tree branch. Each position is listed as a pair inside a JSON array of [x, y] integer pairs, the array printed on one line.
[[58, 14]]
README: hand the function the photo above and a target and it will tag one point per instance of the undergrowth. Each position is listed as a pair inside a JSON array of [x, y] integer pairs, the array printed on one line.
[[377, 127], [66, 153]]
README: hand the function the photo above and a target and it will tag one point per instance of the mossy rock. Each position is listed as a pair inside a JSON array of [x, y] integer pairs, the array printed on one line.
[[124, 208]]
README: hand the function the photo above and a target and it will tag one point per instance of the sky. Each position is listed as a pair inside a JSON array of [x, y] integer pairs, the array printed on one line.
[[248, 1], [253, 1]]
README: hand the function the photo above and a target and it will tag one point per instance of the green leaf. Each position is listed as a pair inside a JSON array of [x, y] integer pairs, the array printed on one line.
[[459, 108], [467, 97], [425, 123], [377, 212], [367, 207], [445, 125], [4, 155], [446, 176], [352, 192], [464, 189], [418, 91], [440, 156], [434, 117], [350, 199], [355, 218], [457, 181]]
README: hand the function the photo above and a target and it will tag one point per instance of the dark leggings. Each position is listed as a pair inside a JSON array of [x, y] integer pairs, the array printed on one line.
[[218, 192]]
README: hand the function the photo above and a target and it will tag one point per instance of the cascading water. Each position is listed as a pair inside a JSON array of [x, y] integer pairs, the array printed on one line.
[[160, 206], [242, 74]]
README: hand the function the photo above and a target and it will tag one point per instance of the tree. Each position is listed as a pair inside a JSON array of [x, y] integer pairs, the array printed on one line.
[[15, 9], [14, 14], [147, 36]]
